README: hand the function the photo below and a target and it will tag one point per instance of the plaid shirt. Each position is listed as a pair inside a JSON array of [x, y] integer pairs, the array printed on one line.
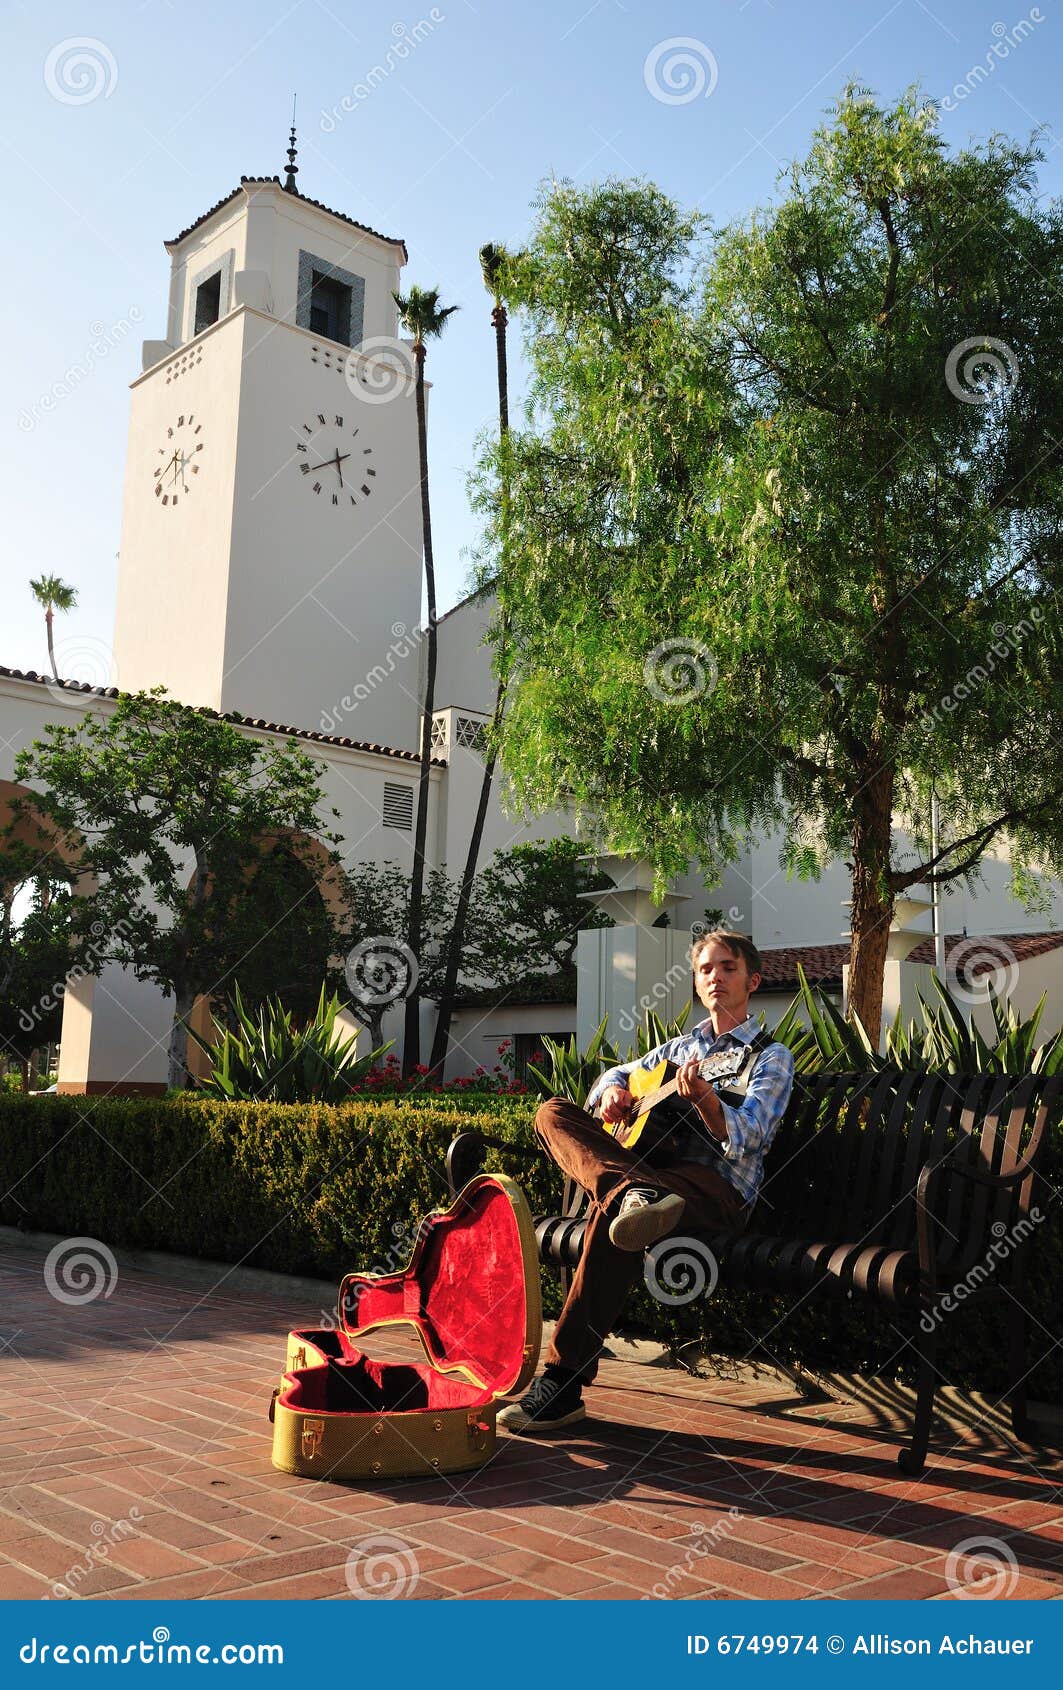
[[751, 1124]]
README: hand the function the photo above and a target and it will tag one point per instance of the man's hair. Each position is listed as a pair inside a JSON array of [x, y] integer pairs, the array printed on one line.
[[737, 943]]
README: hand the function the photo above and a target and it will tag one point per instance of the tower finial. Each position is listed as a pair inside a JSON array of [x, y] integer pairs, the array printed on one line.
[[293, 168]]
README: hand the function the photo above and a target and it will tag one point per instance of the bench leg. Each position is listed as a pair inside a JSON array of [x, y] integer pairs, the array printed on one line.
[[912, 1460]]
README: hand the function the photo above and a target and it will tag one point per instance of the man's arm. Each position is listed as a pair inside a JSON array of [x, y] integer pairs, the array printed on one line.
[[750, 1125]]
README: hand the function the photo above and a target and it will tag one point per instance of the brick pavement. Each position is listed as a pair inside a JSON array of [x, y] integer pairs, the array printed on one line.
[[134, 1463]]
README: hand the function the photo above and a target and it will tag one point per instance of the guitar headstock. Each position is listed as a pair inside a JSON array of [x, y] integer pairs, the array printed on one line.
[[725, 1064]]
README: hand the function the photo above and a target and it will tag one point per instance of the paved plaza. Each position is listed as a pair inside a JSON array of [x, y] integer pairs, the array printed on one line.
[[135, 1464]]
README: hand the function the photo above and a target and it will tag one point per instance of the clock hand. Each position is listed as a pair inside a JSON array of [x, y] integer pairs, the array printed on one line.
[[333, 462]]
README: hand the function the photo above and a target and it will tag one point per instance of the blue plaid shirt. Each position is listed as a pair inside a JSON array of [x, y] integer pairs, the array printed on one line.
[[751, 1124]]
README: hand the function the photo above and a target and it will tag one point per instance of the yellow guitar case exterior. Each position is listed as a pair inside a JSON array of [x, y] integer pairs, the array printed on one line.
[[471, 1293]]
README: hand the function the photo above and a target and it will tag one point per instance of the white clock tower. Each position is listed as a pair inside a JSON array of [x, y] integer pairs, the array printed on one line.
[[271, 539]]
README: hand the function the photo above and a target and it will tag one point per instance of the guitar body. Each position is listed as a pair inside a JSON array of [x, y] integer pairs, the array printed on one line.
[[659, 1111]]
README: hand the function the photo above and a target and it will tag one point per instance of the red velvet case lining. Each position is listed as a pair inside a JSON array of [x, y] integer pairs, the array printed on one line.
[[464, 1290]]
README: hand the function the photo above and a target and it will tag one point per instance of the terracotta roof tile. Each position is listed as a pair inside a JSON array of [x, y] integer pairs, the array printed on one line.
[[259, 722], [823, 963], [251, 181]]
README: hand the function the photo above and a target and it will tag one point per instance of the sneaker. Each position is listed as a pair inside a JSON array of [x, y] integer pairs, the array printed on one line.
[[550, 1403], [644, 1216]]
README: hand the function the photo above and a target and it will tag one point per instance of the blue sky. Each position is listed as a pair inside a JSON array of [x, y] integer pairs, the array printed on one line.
[[446, 150]]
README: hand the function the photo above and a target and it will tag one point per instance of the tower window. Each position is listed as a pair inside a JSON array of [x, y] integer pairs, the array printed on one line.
[[208, 302], [329, 301], [330, 308]]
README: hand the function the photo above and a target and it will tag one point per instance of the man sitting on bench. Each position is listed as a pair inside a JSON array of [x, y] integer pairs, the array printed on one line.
[[705, 1171]]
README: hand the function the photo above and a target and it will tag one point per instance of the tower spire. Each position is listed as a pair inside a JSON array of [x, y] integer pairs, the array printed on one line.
[[293, 168]]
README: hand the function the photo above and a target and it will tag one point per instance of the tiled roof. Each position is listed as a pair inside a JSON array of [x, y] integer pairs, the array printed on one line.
[[232, 716], [982, 954], [252, 181]]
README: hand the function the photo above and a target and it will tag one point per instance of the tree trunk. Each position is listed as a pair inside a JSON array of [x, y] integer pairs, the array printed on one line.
[[24, 1067], [873, 899], [411, 1043], [456, 941], [51, 648], [177, 1072]]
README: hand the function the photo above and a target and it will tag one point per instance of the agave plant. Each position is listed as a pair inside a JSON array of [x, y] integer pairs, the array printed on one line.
[[265, 1057], [569, 1072], [941, 1043]]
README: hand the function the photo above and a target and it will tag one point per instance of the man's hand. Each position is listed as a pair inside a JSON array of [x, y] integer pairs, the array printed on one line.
[[699, 1092], [615, 1102]]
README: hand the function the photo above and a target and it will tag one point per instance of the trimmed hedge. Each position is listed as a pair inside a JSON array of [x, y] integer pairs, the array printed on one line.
[[320, 1190]]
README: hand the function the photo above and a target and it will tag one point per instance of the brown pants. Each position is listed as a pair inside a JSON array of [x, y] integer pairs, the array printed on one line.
[[604, 1168]]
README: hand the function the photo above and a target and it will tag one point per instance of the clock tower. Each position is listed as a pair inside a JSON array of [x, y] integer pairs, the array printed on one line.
[[270, 558]]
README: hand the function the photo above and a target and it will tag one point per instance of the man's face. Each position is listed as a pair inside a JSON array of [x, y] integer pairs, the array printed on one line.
[[723, 981]]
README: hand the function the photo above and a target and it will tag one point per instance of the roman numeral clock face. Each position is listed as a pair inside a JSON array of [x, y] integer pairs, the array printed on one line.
[[335, 463], [177, 462]]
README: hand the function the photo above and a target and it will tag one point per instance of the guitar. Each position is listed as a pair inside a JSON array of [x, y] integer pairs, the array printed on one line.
[[652, 1086]]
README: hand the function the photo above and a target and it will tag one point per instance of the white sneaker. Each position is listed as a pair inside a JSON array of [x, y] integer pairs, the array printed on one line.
[[645, 1215]]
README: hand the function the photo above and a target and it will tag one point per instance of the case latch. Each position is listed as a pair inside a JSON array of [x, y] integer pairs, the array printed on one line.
[[479, 1430]]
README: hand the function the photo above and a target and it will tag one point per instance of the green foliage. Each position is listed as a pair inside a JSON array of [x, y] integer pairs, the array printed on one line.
[[321, 1190], [267, 1058], [38, 949], [528, 910], [820, 1038], [756, 453], [570, 1072], [174, 813]]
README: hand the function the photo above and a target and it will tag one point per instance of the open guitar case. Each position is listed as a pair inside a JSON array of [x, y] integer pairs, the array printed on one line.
[[471, 1294]]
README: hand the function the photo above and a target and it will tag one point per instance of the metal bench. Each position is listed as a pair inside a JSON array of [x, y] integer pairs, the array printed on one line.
[[903, 1187]]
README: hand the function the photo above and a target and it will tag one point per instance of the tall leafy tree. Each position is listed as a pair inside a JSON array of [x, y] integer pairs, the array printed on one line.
[[785, 522], [494, 262], [52, 594], [37, 952], [174, 813], [424, 319]]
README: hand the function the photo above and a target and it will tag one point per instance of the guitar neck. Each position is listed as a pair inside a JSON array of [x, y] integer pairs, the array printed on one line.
[[652, 1098]]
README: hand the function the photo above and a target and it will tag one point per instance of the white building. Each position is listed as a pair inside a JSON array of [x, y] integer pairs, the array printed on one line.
[[270, 567]]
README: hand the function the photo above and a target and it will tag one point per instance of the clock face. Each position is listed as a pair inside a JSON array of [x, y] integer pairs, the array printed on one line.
[[334, 461], [177, 462]]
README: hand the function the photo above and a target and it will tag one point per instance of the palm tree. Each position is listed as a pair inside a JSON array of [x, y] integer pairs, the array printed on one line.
[[493, 260], [54, 595], [424, 318]]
